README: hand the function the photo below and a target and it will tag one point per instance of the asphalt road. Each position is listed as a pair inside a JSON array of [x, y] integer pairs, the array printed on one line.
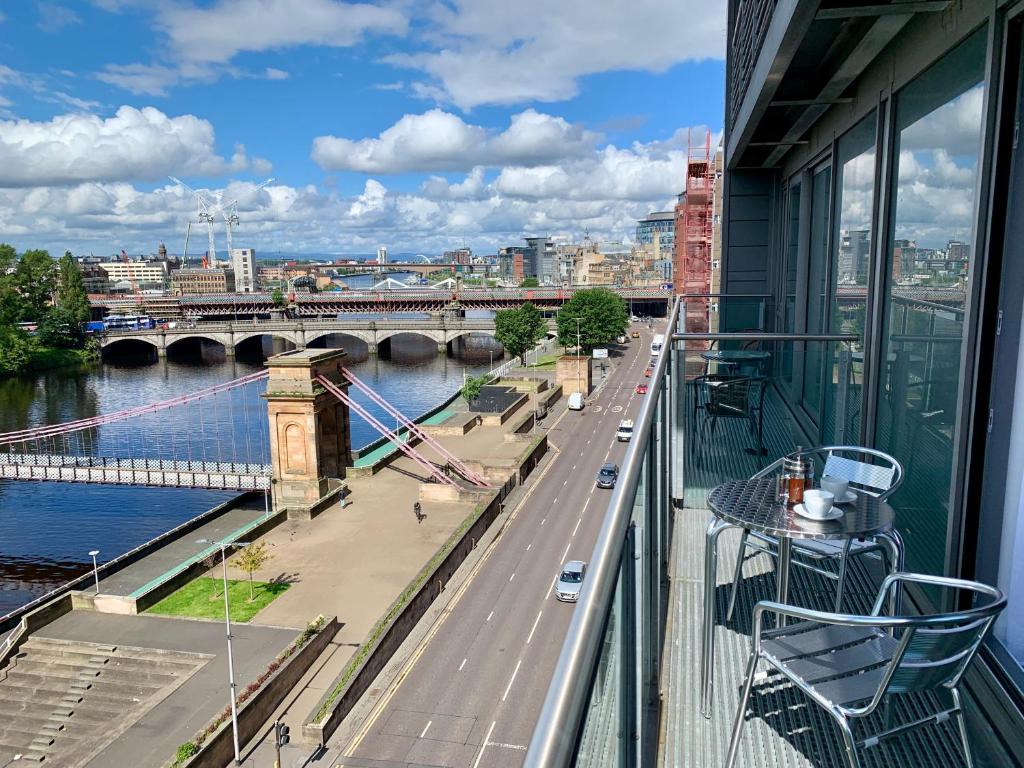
[[477, 682]]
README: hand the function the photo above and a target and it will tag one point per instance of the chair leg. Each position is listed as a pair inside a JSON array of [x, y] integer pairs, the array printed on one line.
[[844, 560], [852, 758], [962, 725], [740, 557], [741, 711]]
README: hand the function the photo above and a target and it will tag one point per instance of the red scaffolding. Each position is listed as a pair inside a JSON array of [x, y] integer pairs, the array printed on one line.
[[693, 254]]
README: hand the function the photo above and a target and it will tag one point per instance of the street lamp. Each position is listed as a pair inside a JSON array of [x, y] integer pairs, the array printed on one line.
[[95, 570], [579, 385], [227, 624]]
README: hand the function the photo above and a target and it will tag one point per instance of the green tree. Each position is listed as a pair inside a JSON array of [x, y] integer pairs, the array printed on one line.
[[34, 280], [59, 328], [71, 295], [471, 388], [9, 304], [277, 297], [518, 330], [602, 316], [15, 350], [530, 282], [250, 559]]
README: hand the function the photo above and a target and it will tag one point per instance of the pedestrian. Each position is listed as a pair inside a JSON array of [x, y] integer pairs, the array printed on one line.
[[418, 511]]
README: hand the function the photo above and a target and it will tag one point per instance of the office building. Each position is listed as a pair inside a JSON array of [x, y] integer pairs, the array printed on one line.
[[458, 256], [243, 264], [852, 259], [144, 275], [199, 281], [511, 260], [382, 254], [542, 260], [658, 225]]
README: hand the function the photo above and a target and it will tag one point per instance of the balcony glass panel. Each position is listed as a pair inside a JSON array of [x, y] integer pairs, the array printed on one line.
[[939, 119]]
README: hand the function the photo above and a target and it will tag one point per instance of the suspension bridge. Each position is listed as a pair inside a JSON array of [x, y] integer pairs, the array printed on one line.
[[249, 434]]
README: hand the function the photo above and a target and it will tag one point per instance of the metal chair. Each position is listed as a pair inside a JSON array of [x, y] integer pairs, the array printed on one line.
[[881, 480], [849, 665], [731, 396]]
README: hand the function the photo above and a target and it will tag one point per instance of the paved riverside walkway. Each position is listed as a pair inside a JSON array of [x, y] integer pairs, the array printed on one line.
[[179, 554], [353, 561]]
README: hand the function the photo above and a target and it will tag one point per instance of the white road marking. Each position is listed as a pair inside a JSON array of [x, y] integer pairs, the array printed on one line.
[[551, 588], [528, 546], [566, 551], [535, 623], [483, 746], [511, 680], [462, 664], [512, 576], [543, 521], [489, 616], [520, 747], [577, 525], [426, 728]]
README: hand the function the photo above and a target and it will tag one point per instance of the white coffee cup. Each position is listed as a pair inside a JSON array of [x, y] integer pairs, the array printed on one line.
[[818, 503], [837, 486]]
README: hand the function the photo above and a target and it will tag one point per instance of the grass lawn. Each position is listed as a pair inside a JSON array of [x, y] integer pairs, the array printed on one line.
[[544, 362], [204, 599]]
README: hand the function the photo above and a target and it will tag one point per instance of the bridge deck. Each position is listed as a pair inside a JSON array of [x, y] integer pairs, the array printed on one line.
[[154, 472]]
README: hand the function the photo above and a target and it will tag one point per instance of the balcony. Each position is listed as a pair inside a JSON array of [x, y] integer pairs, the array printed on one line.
[[626, 691]]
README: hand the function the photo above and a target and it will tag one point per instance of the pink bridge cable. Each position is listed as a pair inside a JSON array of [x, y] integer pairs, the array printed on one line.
[[414, 429], [393, 437], [55, 430]]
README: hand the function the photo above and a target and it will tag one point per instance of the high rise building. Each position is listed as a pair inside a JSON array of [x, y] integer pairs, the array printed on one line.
[[382, 254], [542, 261], [853, 257], [243, 264]]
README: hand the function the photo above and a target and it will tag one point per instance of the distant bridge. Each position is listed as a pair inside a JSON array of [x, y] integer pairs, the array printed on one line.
[[227, 306], [441, 330]]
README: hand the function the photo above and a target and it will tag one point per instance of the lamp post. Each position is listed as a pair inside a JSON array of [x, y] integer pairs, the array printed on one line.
[[227, 624], [579, 350], [95, 569]]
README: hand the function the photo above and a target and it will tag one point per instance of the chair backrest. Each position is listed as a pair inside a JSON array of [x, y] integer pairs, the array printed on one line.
[[880, 479], [729, 395]]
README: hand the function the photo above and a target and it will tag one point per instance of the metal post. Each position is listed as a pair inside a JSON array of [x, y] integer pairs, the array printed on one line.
[[95, 570], [231, 664], [579, 384]]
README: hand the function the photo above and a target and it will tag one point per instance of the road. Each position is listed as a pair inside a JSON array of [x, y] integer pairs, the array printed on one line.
[[472, 691]]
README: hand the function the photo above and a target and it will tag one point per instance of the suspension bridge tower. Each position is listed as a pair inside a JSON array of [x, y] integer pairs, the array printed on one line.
[[310, 440]]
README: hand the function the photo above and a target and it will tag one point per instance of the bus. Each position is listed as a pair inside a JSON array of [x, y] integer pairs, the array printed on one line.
[[128, 322], [656, 344]]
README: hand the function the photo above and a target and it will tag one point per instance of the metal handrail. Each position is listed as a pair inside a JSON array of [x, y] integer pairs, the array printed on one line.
[[554, 738], [758, 336]]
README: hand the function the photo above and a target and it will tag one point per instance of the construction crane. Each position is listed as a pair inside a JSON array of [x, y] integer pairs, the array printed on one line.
[[230, 213], [204, 213], [130, 271]]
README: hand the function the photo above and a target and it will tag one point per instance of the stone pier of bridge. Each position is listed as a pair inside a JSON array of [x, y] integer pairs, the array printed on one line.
[[310, 438]]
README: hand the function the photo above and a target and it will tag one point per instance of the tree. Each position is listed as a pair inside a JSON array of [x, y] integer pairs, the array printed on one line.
[[602, 316], [71, 295], [250, 559], [471, 388], [277, 297], [530, 282], [518, 330], [59, 328], [15, 350], [9, 302], [34, 281]]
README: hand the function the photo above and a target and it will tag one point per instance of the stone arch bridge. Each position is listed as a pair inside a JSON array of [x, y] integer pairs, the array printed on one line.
[[302, 333]]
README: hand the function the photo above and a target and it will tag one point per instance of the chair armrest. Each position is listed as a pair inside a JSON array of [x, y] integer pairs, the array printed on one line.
[[896, 581]]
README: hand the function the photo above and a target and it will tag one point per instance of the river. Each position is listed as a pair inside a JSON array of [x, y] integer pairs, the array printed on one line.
[[47, 529]]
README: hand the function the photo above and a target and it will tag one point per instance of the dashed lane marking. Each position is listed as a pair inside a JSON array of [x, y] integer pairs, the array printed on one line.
[[426, 728], [511, 680], [462, 664], [489, 615], [483, 746], [534, 629]]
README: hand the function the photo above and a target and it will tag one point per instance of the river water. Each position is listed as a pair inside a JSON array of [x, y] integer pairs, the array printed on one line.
[[47, 528]]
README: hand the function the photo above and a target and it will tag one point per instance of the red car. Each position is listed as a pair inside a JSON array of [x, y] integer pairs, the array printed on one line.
[[641, 389], [648, 373]]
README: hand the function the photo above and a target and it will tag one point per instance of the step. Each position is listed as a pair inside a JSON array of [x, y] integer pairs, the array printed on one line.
[[147, 656], [119, 688], [11, 711], [113, 666], [73, 673]]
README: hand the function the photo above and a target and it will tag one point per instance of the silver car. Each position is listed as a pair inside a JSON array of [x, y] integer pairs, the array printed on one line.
[[570, 581]]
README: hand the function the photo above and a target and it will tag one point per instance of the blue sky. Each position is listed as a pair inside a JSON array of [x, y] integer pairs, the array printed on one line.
[[417, 125]]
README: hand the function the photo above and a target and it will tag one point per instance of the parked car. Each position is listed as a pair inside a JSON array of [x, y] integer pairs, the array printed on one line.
[[607, 476], [625, 431], [641, 389], [570, 581], [648, 371], [576, 401], [635, 334], [621, 340]]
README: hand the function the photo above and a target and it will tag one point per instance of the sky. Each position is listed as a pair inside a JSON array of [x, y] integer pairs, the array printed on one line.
[[423, 126]]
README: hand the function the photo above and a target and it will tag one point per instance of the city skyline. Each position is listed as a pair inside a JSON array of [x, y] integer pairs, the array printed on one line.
[[419, 128]]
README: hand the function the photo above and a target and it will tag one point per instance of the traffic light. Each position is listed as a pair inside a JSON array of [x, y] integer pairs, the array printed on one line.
[[281, 734]]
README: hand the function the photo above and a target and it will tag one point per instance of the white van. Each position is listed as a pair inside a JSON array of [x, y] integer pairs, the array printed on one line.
[[625, 431], [576, 401]]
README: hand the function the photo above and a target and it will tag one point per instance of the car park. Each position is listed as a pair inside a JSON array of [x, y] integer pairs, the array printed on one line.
[[570, 581], [608, 475]]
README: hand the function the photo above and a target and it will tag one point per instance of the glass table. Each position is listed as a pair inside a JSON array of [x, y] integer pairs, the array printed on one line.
[[752, 504]]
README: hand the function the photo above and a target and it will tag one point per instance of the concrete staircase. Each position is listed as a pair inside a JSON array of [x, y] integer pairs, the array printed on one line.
[[62, 700]]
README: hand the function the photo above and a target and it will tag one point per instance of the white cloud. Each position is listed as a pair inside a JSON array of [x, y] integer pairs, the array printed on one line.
[[275, 74], [217, 32], [54, 18], [135, 144], [440, 141], [497, 52], [154, 79]]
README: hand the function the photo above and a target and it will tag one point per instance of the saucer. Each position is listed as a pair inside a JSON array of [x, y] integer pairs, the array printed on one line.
[[849, 498], [834, 514]]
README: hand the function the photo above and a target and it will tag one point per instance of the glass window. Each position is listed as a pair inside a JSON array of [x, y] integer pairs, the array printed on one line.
[[817, 288], [789, 288], [850, 267], [938, 140]]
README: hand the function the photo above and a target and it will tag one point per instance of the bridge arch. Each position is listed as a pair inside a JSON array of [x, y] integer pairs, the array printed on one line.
[[414, 344], [478, 345], [358, 345], [290, 336], [131, 346], [253, 344], [196, 344]]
